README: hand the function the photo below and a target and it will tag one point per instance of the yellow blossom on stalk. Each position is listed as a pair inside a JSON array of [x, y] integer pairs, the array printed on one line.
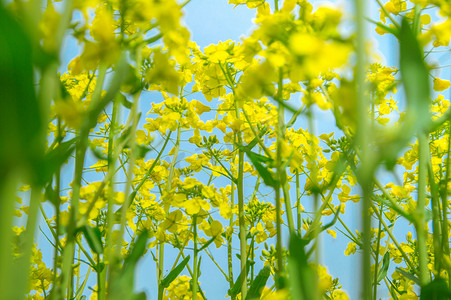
[[351, 248], [197, 161], [439, 106], [257, 81], [200, 108], [194, 205], [325, 280], [440, 33], [304, 43], [225, 210], [142, 138], [441, 84], [172, 221], [103, 25], [71, 112], [48, 25], [339, 295], [395, 6], [180, 289], [162, 75], [268, 294], [214, 229], [333, 233]]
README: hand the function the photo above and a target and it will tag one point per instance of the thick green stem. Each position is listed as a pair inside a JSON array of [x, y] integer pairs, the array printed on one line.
[[241, 220], [444, 196], [420, 213], [279, 145], [363, 133], [279, 259], [435, 202], [160, 270], [229, 237]]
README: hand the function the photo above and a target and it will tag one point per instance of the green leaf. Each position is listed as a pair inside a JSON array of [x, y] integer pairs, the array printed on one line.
[[141, 151], [54, 159], [124, 101], [437, 289], [198, 267], [264, 172], [166, 281], [122, 286], [236, 288], [94, 238], [259, 283], [132, 84], [78, 295], [401, 212], [415, 79], [51, 194], [138, 249], [97, 153], [414, 76], [389, 29], [21, 123], [383, 270], [409, 276], [302, 278]]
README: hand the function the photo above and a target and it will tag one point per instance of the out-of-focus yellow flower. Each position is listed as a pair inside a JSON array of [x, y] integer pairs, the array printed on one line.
[[441, 84]]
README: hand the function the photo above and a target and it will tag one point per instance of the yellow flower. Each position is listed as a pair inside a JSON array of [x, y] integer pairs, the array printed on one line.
[[194, 205], [172, 221], [332, 233], [339, 295], [440, 84], [325, 280], [351, 248], [225, 210]]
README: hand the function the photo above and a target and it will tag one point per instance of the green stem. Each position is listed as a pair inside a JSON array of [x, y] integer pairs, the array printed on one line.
[[22, 267], [57, 200], [112, 157], [280, 176], [395, 241], [195, 271], [168, 189], [229, 237], [298, 204], [376, 257], [216, 264], [279, 261], [241, 220], [363, 133], [191, 274], [80, 152], [420, 214], [444, 196], [160, 270], [133, 119], [435, 202]]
